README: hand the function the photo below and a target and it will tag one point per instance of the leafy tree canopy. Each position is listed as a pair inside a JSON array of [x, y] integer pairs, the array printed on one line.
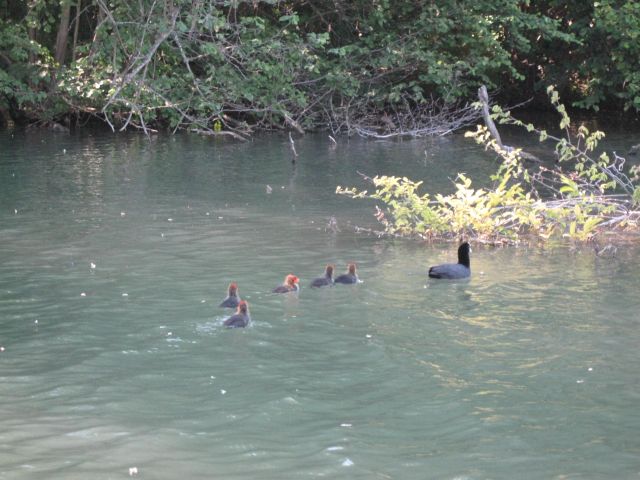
[[233, 66]]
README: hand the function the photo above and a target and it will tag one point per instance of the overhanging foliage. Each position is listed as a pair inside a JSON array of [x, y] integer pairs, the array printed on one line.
[[579, 196], [376, 67]]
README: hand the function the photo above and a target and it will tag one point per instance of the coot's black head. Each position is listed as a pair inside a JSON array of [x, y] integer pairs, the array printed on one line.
[[243, 307], [463, 254], [233, 288]]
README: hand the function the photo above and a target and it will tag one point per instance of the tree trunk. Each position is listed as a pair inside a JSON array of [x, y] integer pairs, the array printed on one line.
[[94, 40], [483, 96], [63, 32], [76, 28]]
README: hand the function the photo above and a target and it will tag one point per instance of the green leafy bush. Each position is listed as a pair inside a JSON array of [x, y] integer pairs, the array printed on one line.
[[381, 65], [22, 82], [581, 195]]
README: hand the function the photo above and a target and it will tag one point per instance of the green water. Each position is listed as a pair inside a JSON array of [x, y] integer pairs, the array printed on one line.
[[527, 370]]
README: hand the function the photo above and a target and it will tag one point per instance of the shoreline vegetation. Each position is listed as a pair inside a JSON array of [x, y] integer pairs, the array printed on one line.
[[584, 195], [373, 68]]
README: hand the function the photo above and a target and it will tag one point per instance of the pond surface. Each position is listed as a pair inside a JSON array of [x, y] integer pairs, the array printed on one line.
[[115, 251]]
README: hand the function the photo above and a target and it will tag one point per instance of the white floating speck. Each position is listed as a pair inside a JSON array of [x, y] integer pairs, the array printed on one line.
[[334, 449], [212, 377], [36, 322], [590, 369], [282, 187], [15, 211], [220, 218], [269, 189], [122, 214], [223, 392], [125, 294], [579, 381], [347, 462], [64, 150], [1, 349], [169, 334], [93, 265], [169, 219], [133, 471], [83, 294], [208, 214], [203, 301], [346, 425], [368, 335], [162, 235]]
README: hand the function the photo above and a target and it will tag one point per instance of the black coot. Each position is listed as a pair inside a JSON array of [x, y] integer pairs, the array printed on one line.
[[350, 277], [232, 299], [326, 280], [241, 318], [454, 270]]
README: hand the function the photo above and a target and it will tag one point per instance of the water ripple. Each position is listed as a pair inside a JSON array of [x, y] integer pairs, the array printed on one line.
[[115, 356]]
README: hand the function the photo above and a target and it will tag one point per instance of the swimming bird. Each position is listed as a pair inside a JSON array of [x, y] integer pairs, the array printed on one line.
[[232, 299], [461, 269], [350, 277], [241, 318], [326, 280], [290, 285]]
